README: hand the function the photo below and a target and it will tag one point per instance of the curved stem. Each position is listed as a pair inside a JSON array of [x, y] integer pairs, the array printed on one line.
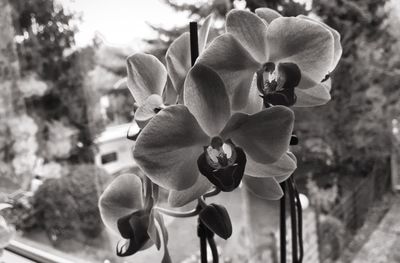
[[193, 212], [213, 192]]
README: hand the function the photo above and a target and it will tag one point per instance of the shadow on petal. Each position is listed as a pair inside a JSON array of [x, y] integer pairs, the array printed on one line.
[[251, 32], [178, 61], [267, 14], [206, 98], [263, 136], [168, 147], [234, 65]]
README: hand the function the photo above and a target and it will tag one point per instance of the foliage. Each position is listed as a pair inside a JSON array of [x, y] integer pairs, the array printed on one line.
[[322, 199], [106, 78], [22, 133], [67, 207], [59, 140], [199, 10], [332, 234], [45, 42], [30, 86], [356, 122]]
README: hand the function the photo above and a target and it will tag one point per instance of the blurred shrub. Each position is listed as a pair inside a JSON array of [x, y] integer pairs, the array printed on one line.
[[60, 139], [67, 207], [332, 233], [321, 198]]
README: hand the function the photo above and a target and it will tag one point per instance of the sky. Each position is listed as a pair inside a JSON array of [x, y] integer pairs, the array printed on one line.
[[124, 22], [121, 22]]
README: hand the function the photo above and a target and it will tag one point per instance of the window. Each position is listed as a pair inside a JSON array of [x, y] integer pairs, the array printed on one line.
[[109, 157]]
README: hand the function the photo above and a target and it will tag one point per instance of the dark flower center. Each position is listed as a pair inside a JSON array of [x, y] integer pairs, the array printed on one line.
[[277, 84], [223, 164], [220, 154]]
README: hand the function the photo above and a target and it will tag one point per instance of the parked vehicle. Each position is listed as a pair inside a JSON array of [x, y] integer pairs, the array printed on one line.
[[114, 150]]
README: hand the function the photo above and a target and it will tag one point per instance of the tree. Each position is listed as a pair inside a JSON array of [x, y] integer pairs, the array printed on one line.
[[356, 122], [45, 35], [199, 11]]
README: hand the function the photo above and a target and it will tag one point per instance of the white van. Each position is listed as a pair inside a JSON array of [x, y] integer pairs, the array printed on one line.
[[114, 149]]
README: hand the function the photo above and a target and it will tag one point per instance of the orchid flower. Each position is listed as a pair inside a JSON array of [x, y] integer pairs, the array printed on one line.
[[189, 148], [284, 52], [147, 76], [125, 213]]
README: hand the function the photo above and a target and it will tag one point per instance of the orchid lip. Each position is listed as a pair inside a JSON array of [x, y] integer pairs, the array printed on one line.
[[134, 228], [220, 154], [281, 80], [224, 167]]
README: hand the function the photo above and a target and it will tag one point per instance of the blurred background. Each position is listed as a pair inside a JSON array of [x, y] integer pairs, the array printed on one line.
[[64, 115]]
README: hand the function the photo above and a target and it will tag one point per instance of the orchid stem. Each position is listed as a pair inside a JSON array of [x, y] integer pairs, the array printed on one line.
[[283, 224], [293, 218], [213, 248], [299, 221], [212, 193], [168, 212]]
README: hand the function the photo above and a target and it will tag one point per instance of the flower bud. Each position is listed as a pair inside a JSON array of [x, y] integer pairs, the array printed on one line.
[[217, 219]]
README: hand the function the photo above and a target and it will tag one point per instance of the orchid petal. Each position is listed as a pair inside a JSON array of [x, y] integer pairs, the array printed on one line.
[[254, 103], [181, 198], [263, 136], [148, 109], [337, 46], [168, 147], [251, 32], [234, 65], [206, 98], [170, 95], [282, 178], [303, 42], [204, 32], [122, 197], [265, 188], [267, 14], [178, 61], [146, 76], [315, 96], [285, 166]]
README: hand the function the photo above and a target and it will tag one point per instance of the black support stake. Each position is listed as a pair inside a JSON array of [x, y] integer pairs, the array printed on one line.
[[194, 42]]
